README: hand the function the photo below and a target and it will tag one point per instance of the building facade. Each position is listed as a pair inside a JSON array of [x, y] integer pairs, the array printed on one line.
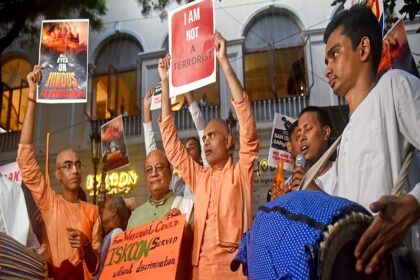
[[275, 47]]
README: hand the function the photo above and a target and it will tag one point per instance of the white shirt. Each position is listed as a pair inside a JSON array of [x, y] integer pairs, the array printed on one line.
[[328, 180], [13, 210], [376, 139]]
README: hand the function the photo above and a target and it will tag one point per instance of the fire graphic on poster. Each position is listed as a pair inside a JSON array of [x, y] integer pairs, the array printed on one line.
[[63, 58]]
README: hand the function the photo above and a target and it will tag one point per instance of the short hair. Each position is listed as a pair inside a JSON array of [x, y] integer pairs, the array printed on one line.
[[321, 114], [123, 212], [196, 140], [292, 128], [356, 23]]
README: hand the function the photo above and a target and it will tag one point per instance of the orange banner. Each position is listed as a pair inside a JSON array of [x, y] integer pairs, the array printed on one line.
[[149, 251]]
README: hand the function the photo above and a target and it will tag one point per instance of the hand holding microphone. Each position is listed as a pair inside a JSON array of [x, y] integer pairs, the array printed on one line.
[[298, 172]]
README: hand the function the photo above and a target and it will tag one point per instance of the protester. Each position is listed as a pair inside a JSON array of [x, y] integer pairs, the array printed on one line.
[[313, 135], [162, 201], [194, 146], [223, 192], [114, 219], [65, 216], [384, 122]]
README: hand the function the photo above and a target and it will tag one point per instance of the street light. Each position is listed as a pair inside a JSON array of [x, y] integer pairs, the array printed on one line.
[[95, 146], [231, 122]]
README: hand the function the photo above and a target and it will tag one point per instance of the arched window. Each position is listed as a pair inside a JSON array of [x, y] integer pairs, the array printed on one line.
[[115, 80], [15, 92], [274, 56]]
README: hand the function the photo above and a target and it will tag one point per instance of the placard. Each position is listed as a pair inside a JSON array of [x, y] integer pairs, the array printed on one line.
[[63, 56], [114, 148], [149, 251]]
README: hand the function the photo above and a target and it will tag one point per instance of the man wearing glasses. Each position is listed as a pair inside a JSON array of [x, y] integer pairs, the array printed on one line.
[[162, 201], [72, 227]]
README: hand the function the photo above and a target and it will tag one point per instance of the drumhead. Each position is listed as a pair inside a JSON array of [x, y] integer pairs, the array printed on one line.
[[337, 259]]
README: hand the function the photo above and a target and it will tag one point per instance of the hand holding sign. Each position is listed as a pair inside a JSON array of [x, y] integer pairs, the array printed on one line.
[[34, 78]]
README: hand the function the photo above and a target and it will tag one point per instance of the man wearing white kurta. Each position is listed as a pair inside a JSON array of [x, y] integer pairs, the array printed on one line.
[[385, 119]]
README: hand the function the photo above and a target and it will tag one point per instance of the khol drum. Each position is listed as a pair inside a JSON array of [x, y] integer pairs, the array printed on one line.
[[305, 235]]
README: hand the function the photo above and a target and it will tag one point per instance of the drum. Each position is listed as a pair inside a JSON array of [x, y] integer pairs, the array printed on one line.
[[305, 235], [20, 262]]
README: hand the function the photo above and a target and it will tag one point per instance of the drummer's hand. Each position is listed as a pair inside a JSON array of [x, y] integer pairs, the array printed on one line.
[[77, 238], [388, 229]]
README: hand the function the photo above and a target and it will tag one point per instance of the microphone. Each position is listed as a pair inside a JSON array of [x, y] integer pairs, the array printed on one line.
[[300, 160]]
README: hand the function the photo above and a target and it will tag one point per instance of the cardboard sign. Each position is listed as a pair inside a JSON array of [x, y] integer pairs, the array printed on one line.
[[149, 251], [176, 101], [114, 149], [279, 138], [63, 54], [191, 45], [11, 171]]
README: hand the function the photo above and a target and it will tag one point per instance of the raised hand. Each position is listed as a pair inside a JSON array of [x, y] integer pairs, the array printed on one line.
[[163, 67], [220, 46], [34, 78]]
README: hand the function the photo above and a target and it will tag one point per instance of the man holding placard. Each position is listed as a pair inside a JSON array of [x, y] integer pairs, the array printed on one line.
[[223, 192]]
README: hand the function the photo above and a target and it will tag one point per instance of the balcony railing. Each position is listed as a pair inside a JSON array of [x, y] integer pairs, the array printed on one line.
[[264, 110], [9, 141]]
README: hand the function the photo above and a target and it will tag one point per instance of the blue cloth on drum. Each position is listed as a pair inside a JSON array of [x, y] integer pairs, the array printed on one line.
[[283, 240]]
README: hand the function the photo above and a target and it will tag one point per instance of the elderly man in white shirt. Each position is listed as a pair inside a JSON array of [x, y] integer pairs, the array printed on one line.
[[384, 122]]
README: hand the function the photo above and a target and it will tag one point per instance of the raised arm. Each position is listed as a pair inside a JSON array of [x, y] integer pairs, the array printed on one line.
[[233, 82], [29, 168], [200, 123], [174, 150], [164, 78], [149, 134], [27, 133]]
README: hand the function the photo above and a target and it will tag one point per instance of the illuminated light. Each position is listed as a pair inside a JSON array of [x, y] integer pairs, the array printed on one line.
[[115, 182]]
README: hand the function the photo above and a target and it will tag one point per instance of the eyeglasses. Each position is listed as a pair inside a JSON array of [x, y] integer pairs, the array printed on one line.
[[68, 165], [158, 167]]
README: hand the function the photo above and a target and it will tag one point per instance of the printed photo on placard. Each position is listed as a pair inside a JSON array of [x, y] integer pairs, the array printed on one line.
[[114, 148]]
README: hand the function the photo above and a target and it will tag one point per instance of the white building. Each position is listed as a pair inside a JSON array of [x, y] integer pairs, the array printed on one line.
[[275, 46]]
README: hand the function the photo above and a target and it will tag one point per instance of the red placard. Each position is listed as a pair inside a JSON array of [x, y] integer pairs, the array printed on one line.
[[191, 45]]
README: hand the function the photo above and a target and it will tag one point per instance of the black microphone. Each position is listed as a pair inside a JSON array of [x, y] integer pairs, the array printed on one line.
[[300, 160]]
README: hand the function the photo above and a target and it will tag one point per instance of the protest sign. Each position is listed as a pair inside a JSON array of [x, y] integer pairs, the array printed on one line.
[[279, 137], [176, 101], [11, 171], [191, 45], [114, 149], [396, 53], [149, 251], [63, 54]]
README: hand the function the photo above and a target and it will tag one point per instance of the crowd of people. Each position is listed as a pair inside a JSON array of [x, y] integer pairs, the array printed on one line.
[[200, 179]]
